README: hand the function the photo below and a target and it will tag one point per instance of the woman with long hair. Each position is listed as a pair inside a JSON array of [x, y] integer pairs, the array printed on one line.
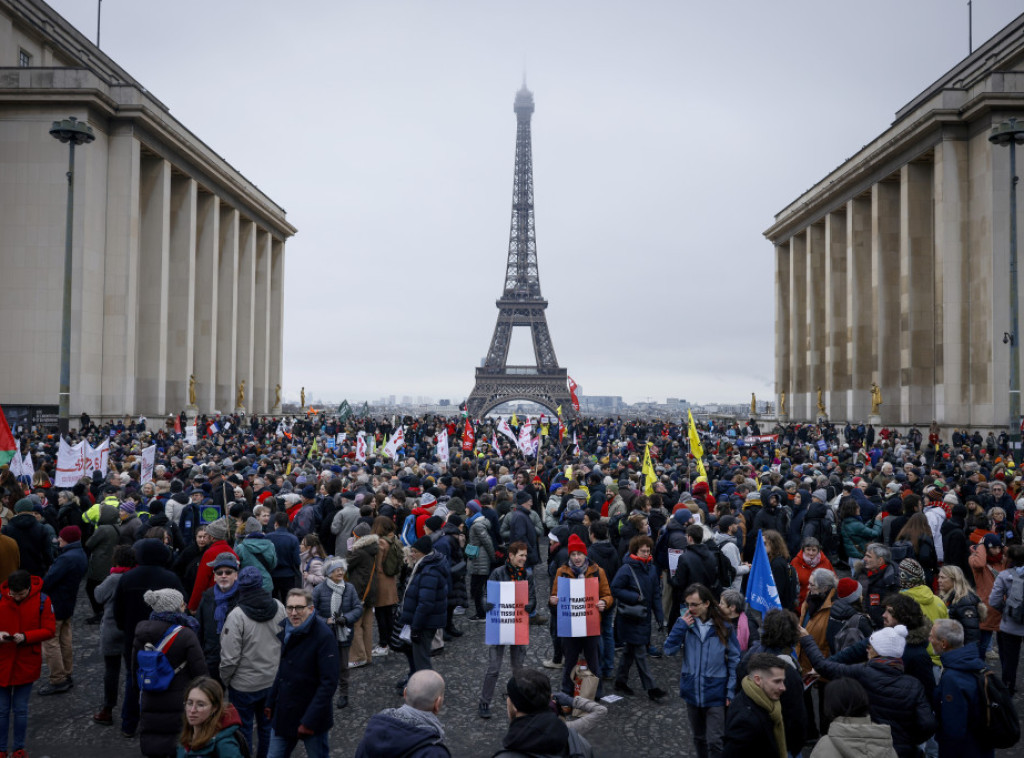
[[963, 604], [210, 723], [785, 576], [918, 533]]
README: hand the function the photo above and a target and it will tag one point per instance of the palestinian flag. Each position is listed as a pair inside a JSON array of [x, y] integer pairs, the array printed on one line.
[[8, 447]]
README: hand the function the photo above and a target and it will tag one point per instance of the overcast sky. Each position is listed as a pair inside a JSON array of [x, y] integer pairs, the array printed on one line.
[[665, 138]]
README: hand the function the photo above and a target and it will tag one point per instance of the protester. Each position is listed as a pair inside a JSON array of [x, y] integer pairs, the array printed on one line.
[[879, 578], [754, 725], [363, 572], [392, 561], [412, 730], [534, 728], [1011, 630], [425, 604], [217, 602], [637, 588], [806, 561], [957, 697], [851, 731], [61, 584], [312, 557], [961, 602], [337, 603], [111, 638], [211, 725], [987, 560]]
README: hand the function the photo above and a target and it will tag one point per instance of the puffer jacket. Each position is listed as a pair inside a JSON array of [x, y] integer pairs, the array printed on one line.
[[111, 638], [350, 606], [708, 675], [997, 600], [857, 535], [33, 617], [965, 610], [895, 698], [985, 574], [425, 605], [364, 567], [256, 550], [480, 536], [102, 543], [956, 700], [637, 631], [851, 737]]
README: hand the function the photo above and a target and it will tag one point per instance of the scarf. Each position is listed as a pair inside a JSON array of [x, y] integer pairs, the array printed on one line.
[[120, 569], [515, 574], [808, 561], [182, 619], [337, 593], [578, 572], [638, 559], [774, 709], [220, 609]]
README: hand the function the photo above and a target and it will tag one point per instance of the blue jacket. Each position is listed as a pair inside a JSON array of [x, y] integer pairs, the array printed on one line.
[[288, 560], [520, 529], [62, 580], [637, 631], [395, 732], [350, 607], [708, 676], [425, 605], [956, 703], [306, 679]]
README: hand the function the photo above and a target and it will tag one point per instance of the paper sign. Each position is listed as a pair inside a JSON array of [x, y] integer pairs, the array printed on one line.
[[70, 464], [577, 608], [507, 621], [673, 559], [148, 462], [191, 435]]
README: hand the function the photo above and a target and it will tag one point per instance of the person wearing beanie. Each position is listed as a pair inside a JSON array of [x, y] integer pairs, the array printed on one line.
[[847, 622], [160, 711], [424, 608], [338, 603], [255, 550], [534, 728], [218, 531], [61, 584], [579, 566], [912, 578], [895, 698], [987, 560]]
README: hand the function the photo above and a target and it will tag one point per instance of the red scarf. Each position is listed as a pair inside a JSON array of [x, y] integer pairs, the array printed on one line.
[[639, 559]]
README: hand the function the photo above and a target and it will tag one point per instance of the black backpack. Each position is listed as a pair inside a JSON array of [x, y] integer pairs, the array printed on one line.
[[998, 726], [726, 571]]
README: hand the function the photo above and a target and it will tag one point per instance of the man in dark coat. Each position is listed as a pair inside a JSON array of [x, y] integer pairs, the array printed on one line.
[[533, 728], [753, 722], [520, 528], [61, 583], [425, 606], [957, 696], [33, 543], [879, 580], [217, 603], [299, 703], [285, 575]]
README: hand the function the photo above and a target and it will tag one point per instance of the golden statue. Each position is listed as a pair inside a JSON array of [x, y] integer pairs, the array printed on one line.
[[277, 396], [240, 400], [821, 405], [191, 389], [302, 398], [753, 404], [876, 398], [782, 403]]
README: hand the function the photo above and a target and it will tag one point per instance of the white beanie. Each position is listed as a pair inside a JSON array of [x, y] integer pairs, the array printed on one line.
[[889, 642]]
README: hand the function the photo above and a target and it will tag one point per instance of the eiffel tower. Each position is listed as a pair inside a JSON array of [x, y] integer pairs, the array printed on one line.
[[521, 303]]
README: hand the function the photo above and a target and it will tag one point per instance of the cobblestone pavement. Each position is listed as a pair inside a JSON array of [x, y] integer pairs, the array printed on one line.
[[60, 726]]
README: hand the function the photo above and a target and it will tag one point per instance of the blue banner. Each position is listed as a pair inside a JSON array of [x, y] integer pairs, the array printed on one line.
[[762, 594]]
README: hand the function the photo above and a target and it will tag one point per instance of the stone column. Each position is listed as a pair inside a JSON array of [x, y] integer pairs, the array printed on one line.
[[263, 390], [207, 290], [121, 271], [885, 281], [836, 322], [276, 359], [246, 312], [154, 262], [815, 316], [227, 315], [863, 359], [919, 321], [783, 333], [798, 371], [181, 292]]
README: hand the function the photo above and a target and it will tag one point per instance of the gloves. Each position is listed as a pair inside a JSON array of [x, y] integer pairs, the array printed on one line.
[[305, 731], [562, 700]]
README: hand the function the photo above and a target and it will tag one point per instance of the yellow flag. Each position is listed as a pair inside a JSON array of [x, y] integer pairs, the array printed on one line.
[[515, 421], [559, 410], [312, 450], [695, 447], [286, 473], [650, 477], [568, 473], [544, 430]]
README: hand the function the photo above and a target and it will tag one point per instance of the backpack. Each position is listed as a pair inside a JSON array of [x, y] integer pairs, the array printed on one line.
[[155, 671], [999, 725], [726, 572], [392, 565], [901, 550], [850, 633], [408, 535], [1014, 604]]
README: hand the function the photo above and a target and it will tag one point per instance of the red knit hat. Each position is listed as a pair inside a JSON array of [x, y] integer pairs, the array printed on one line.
[[848, 589], [576, 544]]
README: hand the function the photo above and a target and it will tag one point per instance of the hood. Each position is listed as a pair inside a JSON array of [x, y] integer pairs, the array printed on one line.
[[23, 521], [151, 552], [369, 543], [540, 732], [391, 733], [257, 604], [926, 599], [109, 516], [34, 590], [842, 609], [964, 658], [860, 738], [919, 635], [805, 499]]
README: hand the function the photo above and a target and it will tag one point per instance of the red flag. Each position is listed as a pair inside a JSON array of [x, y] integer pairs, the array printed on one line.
[[572, 394], [8, 447], [177, 424], [468, 437]]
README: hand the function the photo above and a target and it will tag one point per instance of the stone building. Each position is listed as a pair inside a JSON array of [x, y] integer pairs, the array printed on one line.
[[178, 259], [894, 268]]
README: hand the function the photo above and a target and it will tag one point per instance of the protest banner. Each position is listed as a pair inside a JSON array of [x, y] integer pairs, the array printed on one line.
[[191, 435], [507, 621], [70, 464], [361, 447], [673, 559], [577, 607], [96, 458], [442, 447], [148, 464]]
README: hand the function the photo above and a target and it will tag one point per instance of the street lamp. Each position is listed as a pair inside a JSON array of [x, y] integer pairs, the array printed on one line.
[[1012, 134], [73, 133]]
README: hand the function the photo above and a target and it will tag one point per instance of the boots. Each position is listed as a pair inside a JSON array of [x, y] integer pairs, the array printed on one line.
[[104, 716]]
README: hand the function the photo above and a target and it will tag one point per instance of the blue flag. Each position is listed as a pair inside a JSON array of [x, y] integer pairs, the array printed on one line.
[[762, 594]]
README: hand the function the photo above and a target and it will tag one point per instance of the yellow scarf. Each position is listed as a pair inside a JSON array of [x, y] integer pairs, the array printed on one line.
[[774, 709]]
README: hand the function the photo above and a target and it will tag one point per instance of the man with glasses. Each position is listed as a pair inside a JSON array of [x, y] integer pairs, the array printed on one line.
[[217, 603], [299, 704]]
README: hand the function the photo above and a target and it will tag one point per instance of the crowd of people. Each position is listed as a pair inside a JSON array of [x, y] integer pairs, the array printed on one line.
[[237, 588]]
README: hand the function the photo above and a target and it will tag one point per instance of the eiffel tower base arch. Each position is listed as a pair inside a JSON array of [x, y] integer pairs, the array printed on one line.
[[494, 388]]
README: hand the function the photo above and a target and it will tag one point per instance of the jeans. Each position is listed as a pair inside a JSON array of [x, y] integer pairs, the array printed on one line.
[[495, 654], [111, 679], [250, 707], [14, 698], [708, 727], [316, 746], [607, 644], [1009, 657]]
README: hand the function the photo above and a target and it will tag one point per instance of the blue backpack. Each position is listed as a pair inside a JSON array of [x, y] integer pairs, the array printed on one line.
[[408, 535], [155, 671]]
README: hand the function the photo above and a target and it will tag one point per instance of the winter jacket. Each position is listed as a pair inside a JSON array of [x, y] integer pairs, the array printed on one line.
[[209, 636], [33, 617], [387, 586], [350, 607], [225, 743], [985, 574], [249, 645], [307, 676], [931, 606], [895, 698], [150, 573], [537, 734], [878, 585], [748, 730], [204, 573], [33, 540], [342, 524], [480, 536], [256, 550], [956, 703], [160, 712], [604, 554], [403, 731], [857, 535], [593, 571], [841, 613], [288, 561], [520, 529], [708, 675], [101, 545], [63, 579], [627, 587], [804, 571], [965, 610], [111, 638], [364, 567], [851, 737], [312, 570], [425, 605], [794, 713], [817, 625], [997, 600], [916, 660]]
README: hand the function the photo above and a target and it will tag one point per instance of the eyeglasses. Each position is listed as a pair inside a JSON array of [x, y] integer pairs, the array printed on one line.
[[295, 608], [695, 605], [225, 572]]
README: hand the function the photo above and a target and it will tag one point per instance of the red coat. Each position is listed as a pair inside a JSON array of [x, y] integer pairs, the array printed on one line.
[[803, 572], [204, 574], [22, 663]]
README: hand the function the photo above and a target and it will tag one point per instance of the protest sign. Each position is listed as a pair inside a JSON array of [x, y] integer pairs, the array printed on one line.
[[148, 463], [191, 435], [70, 464], [507, 621], [673, 559], [577, 607]]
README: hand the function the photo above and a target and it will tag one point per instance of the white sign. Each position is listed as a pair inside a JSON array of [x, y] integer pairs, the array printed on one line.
[[442, 446], [361, 447], [96, 458], [148, 463], [191, 435], [70, 464]]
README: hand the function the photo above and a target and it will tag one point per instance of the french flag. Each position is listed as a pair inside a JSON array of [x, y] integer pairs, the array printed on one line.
[[507, 622], [577, 607]]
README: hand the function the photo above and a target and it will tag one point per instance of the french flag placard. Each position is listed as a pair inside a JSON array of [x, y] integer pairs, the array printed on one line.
[[577, 607], [507, 621]]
